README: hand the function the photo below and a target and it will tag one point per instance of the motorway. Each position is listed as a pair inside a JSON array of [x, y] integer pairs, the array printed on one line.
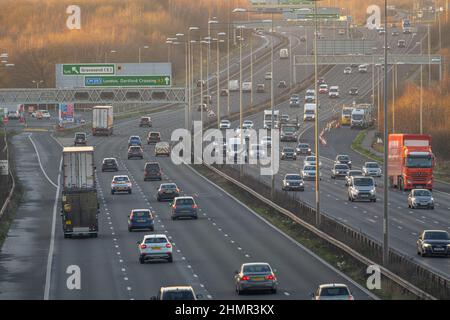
[[207, 250]]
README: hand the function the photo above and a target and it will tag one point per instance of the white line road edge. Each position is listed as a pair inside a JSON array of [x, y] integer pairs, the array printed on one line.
[[40, 163], [52, 242], [370, 294]]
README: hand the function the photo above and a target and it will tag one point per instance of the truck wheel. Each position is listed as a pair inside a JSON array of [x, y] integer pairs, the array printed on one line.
[[129, 229], [129, 192], [170, 259], [112, 191], [142, 260], [95, 235]]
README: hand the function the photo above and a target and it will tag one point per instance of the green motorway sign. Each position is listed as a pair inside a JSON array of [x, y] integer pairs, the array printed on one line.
[[320, 16], [128, 81], [87, 69]]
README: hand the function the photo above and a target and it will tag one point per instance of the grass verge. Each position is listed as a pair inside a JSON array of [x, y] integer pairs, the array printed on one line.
[[338, 259], [357, 147]]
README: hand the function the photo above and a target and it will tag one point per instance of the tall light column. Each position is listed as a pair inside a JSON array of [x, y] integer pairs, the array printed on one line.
[[316, 122], [385, 144]]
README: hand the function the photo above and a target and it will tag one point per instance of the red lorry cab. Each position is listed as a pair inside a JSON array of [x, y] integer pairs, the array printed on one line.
[[410, 161]]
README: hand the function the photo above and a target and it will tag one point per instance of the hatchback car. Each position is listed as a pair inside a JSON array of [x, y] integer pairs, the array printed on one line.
[[152, 171], [167, 191], [247, 124], [303, 148], [155, 246], [339, 170], [268, 76], [293, 181], [80, 139], [121, 184], [371, 169], [153, 137], [420, 198], [433, 242], [145, 122], [294, 101], [141, 219], [353, 91], [135, 152], [311, 161], [225, 124], [323, 88], [255, 276], [110, 164], [134, 141], [176, 293], [333, 291], [347, 70], [184, 207], [260, 88], [309, 172], [282, 84], [343, 159], [288, 153]]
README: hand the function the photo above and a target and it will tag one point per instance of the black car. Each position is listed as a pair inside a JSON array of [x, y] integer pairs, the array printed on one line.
[[288, 153], [304, 148], [353, 91], [110, 164], [80, 139], [152, 171], [343, 159], [433, 242], [167, 191]]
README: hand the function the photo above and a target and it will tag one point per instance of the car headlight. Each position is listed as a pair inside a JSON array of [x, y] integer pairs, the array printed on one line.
[[426, 245], [355, 191], [349, 162], [373, 191], [413, 200], [432, 199]]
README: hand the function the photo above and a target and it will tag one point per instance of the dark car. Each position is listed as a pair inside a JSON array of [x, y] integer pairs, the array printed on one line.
[[80, 139], [293, 181], [184, 207], [110, 164], [303, 148], [135, 152], [167, 191], [433, 242], [288, 153], [145, 122], [353, 91], [153, 137], [134, 141], [343, 159], [152, 171], [141, 219]]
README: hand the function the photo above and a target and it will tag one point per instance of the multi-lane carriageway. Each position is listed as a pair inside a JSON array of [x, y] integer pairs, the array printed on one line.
[[207, 251]]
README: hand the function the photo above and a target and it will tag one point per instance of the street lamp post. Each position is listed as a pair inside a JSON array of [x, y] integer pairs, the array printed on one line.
[[188, 112], [218, 41], [316, 122], [139, 52], [213, 21], [421, 91]]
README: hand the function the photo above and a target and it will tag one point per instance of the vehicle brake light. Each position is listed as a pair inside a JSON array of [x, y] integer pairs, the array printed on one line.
[[245, 278], [270, 277], [168, 245], [178, 190], [350, 297], [174, 206], [194, 206], [143, 246]]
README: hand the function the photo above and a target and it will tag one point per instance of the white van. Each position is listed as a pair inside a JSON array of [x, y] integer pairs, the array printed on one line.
[[333, 92], [362, 68], [309, 112], [233, 85]]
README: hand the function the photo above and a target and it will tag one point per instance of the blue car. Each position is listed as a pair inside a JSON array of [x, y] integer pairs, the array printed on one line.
[[134, 141], [140, 219]]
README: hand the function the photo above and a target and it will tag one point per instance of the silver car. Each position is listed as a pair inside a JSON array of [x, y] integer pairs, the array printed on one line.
[[332, 291], [420, 198], [351, 174], [371, 169], [309, 172], [255, 276], [339, 170], [293, 181]]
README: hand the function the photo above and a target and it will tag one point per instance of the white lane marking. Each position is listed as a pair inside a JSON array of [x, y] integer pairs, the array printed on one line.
[[52, 243], [371, 220], [40, 163], [287, 294]]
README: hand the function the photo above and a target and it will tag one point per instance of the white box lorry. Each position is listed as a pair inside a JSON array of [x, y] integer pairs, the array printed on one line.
[[102, 120]]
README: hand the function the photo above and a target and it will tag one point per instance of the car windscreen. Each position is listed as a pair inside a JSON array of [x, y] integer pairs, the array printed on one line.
[[121, 179], [109, 161], [168, 186], [436, 235], [363, 182], [357, 116], [156, 240], [288, 150], [419, 161], [337, 291], [343, 158], [178, 295], [80, 136], [288, 129], [310, 112], [372, 165], [293, 177], [257, 268], [135, 149], [184, 202], [421, 193], [355, 173], [341, 167], [303, 146], [310, 168], [154, 134]]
